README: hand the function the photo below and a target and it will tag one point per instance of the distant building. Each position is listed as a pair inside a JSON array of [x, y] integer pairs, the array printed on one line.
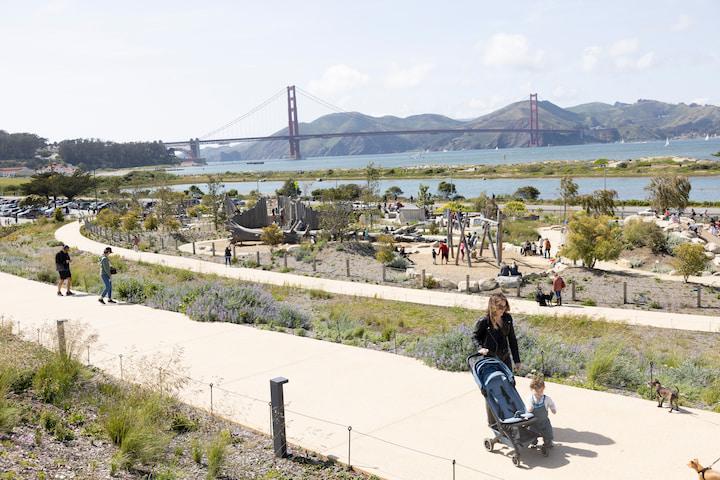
[[411, 213], [62, 169], [16, 172], [192, 163]]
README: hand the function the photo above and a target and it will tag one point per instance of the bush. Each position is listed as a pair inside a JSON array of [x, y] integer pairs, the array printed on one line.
[[133, 290], [689, 260], [9, 414], [588, 302], [55, 380], [600, 366], [591, 238], [399, 263], [271, 235], [515, 208], [196, 450], [448, 350], [108, 218], [151, 223], [216, 453], [638, 233], [58, 215]]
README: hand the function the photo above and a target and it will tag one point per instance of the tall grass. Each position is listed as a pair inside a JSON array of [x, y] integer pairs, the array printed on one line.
[[56, 379], [216, 454], [9, 414]]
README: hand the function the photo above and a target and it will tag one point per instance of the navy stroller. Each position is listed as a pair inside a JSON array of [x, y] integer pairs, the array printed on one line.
[[507, 416]]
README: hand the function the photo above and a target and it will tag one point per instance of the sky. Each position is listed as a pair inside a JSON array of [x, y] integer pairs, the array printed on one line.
[[171, 70]]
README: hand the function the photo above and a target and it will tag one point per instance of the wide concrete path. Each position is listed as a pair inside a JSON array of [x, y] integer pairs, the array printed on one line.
[[70, 235], [409, 421]]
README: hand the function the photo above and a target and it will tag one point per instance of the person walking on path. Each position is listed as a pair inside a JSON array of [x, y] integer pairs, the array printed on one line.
[[62, 265], [444, 253], [558, 285], [106, 272], [541, 405], [547, 248], [228, 256], [494, 333]]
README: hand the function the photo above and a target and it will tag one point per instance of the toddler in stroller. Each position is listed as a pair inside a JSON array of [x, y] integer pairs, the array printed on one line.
[[509, 421]]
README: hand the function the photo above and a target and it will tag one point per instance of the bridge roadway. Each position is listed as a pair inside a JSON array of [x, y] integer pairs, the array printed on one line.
[[409, 420]]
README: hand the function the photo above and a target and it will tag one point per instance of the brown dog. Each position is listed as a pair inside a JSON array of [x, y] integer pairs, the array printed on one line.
[[703, 473], [664, 393]]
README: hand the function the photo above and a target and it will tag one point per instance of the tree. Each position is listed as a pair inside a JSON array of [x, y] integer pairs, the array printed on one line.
[[335, 218], [232, 193], [151, 223], [372, 179], [169, 203], [591, 238], [195, 191], [600, 202], [393, 191], [568, 193], [92, 153], [108, 218], [424, 197], [78, 183], [131, 221], [638, 233], [446, 190], [454, 206], [19, 146], [515, 208], [214, 199], [271, 235], [669, 191], [33, 201], [527, 193], [44, 184], [689, 259], [289, 189]]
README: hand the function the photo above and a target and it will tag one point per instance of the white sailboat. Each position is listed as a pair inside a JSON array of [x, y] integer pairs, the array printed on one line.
[[497, 148], [707, 137], [667, 141], [622, 140]]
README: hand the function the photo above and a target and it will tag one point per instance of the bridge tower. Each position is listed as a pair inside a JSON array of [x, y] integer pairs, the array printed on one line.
[[293, 128], [534, 124], [194, 148]]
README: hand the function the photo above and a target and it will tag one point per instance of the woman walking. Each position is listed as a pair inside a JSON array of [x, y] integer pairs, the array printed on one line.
[[106, 271], [495, 335]]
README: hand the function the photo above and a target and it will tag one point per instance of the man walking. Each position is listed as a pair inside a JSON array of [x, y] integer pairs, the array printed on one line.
[[547, 248], [62, 265], [558, 286]]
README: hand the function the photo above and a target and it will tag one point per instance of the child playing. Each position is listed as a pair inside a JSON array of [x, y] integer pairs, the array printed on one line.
[[539, 405], [434, 255]]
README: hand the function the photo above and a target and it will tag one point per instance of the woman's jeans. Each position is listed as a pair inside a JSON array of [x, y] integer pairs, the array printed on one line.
[[107, 292]]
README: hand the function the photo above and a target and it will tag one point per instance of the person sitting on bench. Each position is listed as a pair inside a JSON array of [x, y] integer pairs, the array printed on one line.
[[514, 270], [504, 270]]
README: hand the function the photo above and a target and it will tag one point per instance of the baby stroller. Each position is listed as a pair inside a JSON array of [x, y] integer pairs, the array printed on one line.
[[507, 416]]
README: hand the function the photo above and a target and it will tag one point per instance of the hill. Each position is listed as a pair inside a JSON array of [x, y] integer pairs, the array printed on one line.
[[642, 120]]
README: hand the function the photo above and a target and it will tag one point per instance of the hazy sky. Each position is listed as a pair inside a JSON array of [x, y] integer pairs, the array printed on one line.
[[170, 70]]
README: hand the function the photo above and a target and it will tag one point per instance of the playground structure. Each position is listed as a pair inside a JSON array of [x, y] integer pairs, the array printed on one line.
[[295, 219], [486, 225]]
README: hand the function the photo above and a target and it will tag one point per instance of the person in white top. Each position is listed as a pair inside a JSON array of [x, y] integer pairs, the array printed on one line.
[[540, 405]]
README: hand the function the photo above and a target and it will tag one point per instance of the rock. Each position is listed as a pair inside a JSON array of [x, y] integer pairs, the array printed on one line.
[[698, 241], [489, 284], [445, 283], [509, 282], [411, 273], [716, 261], [709, 255], [712, 247], [533, 277], [474, 286], [680, 235], [624, 262]]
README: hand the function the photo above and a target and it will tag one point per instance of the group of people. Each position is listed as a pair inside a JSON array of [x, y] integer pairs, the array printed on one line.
[[494, 335], [466, 248], [62, 265], [511, 270], [545, 299], [541, 247]]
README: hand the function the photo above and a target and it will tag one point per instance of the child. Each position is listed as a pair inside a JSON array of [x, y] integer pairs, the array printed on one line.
[[540, 405], [434, 254]]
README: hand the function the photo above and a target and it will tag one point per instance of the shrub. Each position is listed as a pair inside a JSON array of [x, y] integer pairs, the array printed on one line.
[[319, 294], [271, 235], [9, 414], [216, 453], [399, 263], [55, 379], [151, 223], [448, 350], [108, 218], [196, 450], [638, 233], [515, 208], [591, 238], [58, 215], [130, 221], [588, 302], [600, 366], [134, 290], [433, 229], [430, 282], [182, 424], [689, 259]]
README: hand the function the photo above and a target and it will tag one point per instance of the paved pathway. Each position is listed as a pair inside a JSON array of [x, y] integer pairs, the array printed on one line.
[[70, 234], [389, 400]]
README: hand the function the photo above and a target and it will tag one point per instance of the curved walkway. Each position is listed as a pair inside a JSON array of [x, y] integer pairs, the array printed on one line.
[[409, 421], [70, 235]]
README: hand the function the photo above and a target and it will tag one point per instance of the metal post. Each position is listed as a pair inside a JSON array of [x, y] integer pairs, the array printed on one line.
[[278, 416], [347, 266], [349, 443], [213, 248], [624, 293], [422, 278], [383, 273], [699, 296], [193, 247], [572, 289], [467, 284], [453, 469], [62, 347], [211, 399], [652, 364], [257, 257]]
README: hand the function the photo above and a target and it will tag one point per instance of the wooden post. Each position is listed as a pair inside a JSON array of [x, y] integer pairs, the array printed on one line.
[[624, 293], [572, 289], [177, 244], [383, 273], [234, 253], [193, 247], [314, 265], [519, 287], [285, 259], [699, 296], [257, 257], [499, 237], [467, 284], [347, 266], [162, 243], [62, 346], [422, 278], [213, 248]]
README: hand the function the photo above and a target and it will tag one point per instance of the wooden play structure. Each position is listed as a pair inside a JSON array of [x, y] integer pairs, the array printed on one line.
[[462, 221]]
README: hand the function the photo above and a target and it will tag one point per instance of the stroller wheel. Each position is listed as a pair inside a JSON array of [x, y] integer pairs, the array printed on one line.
[[544, 451], [516, 460], [489, 445]]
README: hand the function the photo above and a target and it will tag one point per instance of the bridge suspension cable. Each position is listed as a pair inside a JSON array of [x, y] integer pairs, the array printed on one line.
[[252, 111], [327, 104]]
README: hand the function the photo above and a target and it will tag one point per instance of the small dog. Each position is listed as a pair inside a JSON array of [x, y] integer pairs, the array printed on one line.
[[664, 393], [703, 473]]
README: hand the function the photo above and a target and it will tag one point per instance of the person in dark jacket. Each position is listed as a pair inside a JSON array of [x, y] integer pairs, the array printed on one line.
[[495, 334], [228, 256], [62, 265]]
